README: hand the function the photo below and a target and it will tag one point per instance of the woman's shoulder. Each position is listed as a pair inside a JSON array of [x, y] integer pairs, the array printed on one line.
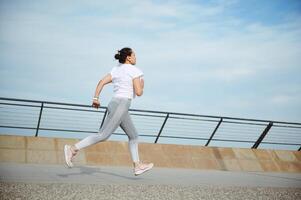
[[116, 67], [133, 68], [135, 71], [127, 68]]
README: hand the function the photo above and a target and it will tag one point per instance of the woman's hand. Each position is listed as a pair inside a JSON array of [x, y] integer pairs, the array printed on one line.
[[95, 103]]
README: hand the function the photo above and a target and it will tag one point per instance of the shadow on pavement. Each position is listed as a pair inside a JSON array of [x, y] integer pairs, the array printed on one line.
[[92, 171]]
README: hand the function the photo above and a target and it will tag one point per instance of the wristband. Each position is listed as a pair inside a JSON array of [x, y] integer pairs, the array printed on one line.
[[95, 98]]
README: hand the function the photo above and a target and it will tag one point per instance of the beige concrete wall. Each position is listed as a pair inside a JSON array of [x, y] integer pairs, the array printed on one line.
[[50, 151]]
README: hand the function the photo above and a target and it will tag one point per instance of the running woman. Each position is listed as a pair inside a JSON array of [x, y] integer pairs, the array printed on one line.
[[128, 82]]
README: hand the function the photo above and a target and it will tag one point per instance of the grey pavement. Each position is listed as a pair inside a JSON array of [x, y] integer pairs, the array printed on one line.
[[37, 173], [36, 181]]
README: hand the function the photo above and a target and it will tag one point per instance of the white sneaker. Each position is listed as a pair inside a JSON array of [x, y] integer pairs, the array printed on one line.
[[68, 155], [142, 167]]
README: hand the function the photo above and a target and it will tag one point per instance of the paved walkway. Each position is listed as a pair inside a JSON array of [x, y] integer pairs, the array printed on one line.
[[124, 175], [35, 181]]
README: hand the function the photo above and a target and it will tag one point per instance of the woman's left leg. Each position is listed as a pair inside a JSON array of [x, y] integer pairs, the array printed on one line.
[[129, 128]]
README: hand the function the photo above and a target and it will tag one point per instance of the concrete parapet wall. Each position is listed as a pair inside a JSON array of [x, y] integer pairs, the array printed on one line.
[[50, 151]]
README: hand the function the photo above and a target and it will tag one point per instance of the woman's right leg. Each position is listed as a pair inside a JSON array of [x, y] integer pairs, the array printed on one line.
[[116, 109], [115, 112]]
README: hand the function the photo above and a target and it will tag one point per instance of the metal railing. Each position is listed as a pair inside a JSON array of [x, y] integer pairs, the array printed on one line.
[[33, 117]]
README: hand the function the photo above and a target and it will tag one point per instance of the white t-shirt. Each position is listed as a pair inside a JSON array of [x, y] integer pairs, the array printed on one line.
[[122, 78]]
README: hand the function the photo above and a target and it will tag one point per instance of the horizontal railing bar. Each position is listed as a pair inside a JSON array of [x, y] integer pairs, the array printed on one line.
[[53, 121], [53, 117], [233, 118], [235, 135], [194, 138], [260, 143], [84, 127], [66, 130], [199, 126], [150, 111], [284, 141], [243, 141], [68, 118], [280, 143], [15, 104], [49, 102], [225, 140], [58, 115], [146, 115], [149, 121], [211, 116], [193, 119], [17, 124], [282, 138], [86, 124], [180, 124], [235, 129], [285, 126], [292, 137], [62, 130], [61, 108], [66, 126], [174, 131], [275, 131], [218, 121], [16, 114], [18, 127], [151, 124], [284, 133], [248, 123], [180, 137], [208, 127], [123, 134], [24, 117]]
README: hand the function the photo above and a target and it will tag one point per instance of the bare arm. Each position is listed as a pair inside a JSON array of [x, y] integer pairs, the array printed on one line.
[[142, 83], [105, 80], [138, 86]]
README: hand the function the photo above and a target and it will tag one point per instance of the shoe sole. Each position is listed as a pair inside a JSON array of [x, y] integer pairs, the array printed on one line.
[[143, 171], [70, 165]]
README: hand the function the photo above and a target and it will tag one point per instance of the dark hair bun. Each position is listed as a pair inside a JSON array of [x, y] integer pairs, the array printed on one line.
[[117, 56], [123, 54]]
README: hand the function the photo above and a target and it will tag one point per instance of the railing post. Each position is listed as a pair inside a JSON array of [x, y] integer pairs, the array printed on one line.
[[266, 130], [219, 123], [38, 126], [103, 119], [162, 127]]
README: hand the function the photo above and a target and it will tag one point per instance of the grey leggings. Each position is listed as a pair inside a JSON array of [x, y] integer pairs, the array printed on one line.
[[118, 115]]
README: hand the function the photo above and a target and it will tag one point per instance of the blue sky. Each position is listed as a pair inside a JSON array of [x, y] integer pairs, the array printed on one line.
[[228, 58]]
